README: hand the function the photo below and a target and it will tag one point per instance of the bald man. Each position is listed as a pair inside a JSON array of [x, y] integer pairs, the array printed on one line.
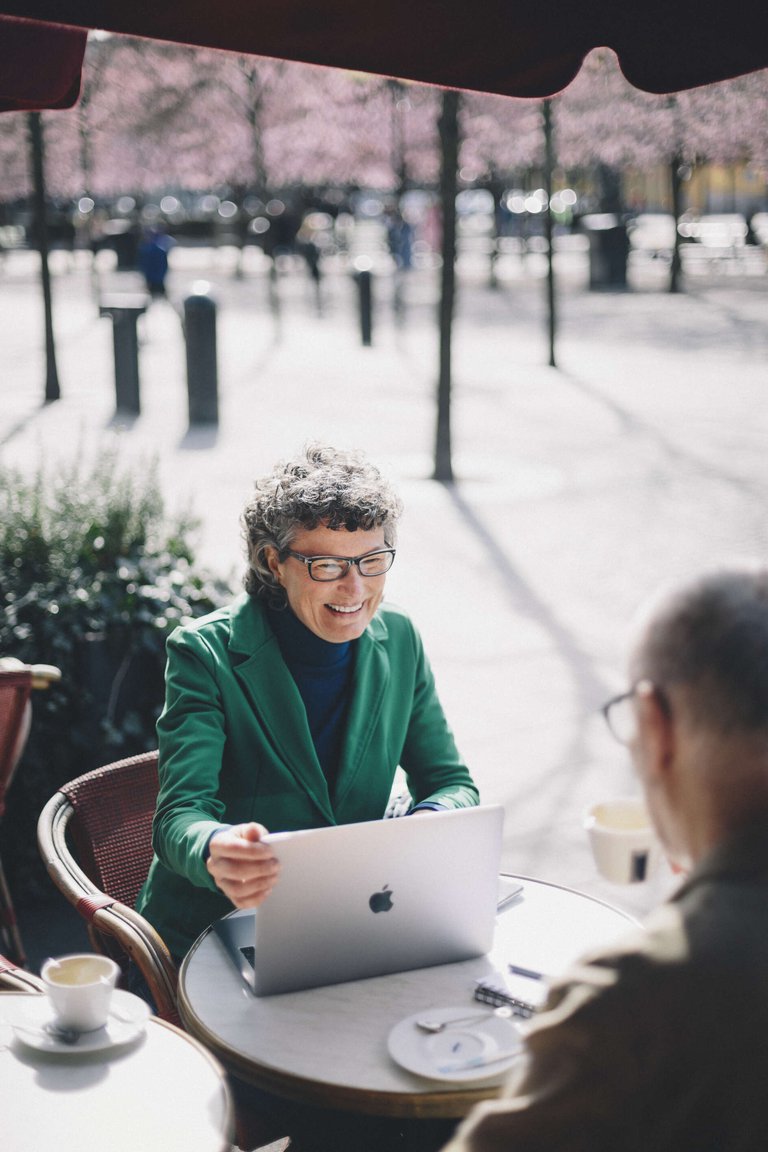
[[661, 1045]]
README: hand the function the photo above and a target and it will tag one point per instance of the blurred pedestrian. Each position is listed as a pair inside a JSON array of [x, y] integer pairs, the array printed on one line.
[[400, 237], [153, 260]]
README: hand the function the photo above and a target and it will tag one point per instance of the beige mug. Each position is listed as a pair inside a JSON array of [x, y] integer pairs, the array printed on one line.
[[79, 989], [624, 843]]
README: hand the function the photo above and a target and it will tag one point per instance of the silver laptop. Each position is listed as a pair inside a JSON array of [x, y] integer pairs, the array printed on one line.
[[359, 900]]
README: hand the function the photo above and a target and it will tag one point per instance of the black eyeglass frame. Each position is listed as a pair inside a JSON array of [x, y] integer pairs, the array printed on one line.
[[609, 706], [345, 561]]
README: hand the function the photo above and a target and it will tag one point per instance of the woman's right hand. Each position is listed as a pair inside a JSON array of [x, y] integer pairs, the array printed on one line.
[[244, 868]]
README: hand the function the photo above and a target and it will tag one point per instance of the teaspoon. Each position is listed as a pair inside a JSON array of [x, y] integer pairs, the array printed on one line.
[[433, 1026]]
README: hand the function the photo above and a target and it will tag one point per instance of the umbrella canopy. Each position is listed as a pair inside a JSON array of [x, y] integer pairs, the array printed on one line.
[[39, 65], [512, 47]]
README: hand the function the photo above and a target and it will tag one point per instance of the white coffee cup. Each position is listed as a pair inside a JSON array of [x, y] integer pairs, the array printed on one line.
[[79, 989], [623, 840]]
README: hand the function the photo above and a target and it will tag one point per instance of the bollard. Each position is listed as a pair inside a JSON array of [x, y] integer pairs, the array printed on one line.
[[202, 372], [365, 289], [124, 309]]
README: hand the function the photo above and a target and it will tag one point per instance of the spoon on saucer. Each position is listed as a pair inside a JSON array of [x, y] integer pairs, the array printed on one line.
[[62, 1032], [432, 1026], [56, 1031]]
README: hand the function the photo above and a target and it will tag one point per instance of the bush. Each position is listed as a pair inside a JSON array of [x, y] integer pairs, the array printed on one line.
[[93, 577]]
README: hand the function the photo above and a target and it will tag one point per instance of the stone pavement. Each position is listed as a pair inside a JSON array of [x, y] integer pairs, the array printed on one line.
[[579, 489]]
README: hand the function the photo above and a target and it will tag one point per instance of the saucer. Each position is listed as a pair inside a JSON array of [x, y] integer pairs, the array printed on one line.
[[444, 1055], [127, 1019]]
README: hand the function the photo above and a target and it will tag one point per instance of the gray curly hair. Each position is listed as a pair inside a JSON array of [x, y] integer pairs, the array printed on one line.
[[322, 485]]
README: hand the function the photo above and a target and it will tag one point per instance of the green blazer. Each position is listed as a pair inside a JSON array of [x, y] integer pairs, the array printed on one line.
[[235, 746]]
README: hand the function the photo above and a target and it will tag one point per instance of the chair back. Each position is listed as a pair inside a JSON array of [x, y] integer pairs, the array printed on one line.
[[95, 836], [15, 689], [13, 978], [110, 828]]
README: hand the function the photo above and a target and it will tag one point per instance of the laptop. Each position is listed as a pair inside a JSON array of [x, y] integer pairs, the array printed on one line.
[[360, 900]]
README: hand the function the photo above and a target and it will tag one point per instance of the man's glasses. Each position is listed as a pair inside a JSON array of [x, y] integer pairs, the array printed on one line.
[[620, 715], [323, 568]]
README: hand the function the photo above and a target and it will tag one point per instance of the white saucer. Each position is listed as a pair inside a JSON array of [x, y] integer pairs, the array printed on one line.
[[127, 1020], [442, 1055]]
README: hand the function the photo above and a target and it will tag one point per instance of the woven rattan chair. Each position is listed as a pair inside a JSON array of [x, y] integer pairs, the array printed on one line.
[[95, 836], [16, 683], [16, 979]]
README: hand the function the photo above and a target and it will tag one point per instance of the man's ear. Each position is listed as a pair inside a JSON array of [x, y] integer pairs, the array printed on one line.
[[656, 729]]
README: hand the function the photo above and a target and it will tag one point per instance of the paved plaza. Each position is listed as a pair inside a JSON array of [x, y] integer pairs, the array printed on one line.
[[578, 490]]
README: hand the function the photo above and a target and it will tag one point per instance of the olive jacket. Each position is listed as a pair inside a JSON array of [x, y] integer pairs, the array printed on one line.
[[660, 1044], [235, 746]]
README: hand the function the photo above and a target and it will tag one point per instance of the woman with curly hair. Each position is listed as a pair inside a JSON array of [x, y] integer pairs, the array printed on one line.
[[293, 706]]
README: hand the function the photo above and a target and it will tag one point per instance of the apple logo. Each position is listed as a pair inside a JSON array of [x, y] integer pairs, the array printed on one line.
[[381, 901]]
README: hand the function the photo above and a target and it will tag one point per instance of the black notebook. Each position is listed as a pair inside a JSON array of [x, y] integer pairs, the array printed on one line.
[[524, 993]]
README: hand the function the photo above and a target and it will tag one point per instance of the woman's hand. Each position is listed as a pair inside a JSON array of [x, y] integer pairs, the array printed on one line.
[[244, 869]]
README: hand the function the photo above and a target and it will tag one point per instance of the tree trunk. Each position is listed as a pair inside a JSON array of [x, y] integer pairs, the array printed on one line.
[[448, 126], [397, 120], [676, 183], [495, 186], [549, 164], [34, 123]]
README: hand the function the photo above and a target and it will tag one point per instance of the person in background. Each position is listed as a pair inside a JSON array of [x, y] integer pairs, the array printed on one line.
[[153, 260], [662, 1043], [400, 239]]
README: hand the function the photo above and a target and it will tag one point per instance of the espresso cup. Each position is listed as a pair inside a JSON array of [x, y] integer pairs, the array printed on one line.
[[623, 840], [79, 989]]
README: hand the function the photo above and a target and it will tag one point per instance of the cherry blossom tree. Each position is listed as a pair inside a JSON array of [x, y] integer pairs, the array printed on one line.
[[601, 120], [154, 115]]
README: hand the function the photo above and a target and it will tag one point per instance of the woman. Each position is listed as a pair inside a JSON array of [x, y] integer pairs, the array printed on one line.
[[294, 706]]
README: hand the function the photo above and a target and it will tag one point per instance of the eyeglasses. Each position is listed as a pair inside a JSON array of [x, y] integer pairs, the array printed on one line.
[[620, 715], [325, 568]]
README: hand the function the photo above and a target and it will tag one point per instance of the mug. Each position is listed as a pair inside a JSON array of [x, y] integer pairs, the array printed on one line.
[[79, 989], [624, 843]]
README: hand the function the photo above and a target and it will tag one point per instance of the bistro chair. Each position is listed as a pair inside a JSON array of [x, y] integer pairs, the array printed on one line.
[[95, 836], [16, 979], [16, 683]]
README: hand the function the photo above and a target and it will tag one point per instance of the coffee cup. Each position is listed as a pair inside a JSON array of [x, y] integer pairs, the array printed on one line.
[[623, 840], [79, 988]]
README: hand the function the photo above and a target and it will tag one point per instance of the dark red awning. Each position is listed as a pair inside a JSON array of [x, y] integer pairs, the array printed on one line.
[[514, 47], [40, 65]]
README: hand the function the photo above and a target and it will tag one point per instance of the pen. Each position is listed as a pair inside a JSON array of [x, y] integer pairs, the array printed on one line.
[[529, 972], [480, 1061]]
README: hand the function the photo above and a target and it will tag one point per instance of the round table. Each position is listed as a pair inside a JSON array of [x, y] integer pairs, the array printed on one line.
[[328, 1046], [162, 1090]]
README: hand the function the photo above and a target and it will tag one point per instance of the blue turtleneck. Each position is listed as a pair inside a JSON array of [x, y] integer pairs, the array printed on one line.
[[323, 674]]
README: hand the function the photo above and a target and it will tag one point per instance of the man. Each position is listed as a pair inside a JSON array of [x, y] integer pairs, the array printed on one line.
[[662, 1044]]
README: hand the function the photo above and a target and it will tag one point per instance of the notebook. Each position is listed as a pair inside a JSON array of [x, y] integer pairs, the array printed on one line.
[[360, 900]]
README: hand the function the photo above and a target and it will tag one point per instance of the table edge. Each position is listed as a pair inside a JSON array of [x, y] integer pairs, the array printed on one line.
[[228, 1132]]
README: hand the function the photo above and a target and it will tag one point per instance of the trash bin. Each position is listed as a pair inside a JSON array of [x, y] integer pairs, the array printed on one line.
[[123, 238], [608, 249]]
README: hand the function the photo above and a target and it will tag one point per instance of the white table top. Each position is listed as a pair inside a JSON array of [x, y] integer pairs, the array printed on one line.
[[161, 1091], [329, 1045]]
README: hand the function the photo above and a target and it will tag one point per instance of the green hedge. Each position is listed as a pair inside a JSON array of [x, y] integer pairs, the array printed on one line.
[[93, 577]]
